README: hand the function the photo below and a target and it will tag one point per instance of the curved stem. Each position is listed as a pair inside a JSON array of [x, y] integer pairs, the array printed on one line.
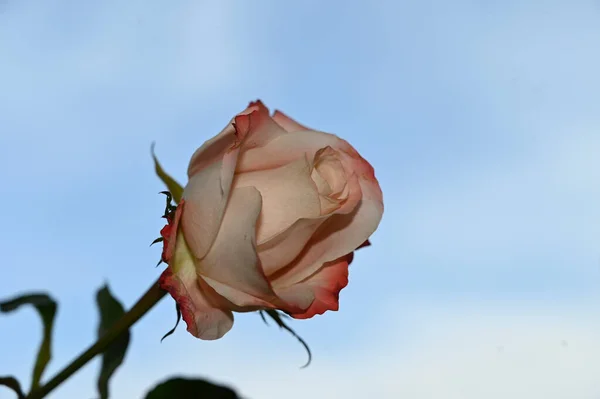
[[142, 306]]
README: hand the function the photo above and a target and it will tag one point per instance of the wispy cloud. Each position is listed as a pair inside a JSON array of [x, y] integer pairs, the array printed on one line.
[[459, 350], [480, 120]]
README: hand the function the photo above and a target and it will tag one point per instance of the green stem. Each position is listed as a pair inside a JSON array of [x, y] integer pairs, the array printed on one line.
[[143, 305]]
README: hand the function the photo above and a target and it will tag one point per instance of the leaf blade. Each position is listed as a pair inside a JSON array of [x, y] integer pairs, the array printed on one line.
[[46, 308], [111, 310], [12, 383], [179, 387]]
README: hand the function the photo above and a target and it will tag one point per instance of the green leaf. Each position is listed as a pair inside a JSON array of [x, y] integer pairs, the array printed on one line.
[[278, 319], [46, 307], [13, 384], [111, 311], [174, 187], [188, 388]]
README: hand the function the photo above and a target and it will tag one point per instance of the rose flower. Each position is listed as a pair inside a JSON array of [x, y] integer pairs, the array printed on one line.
[[269, 219]]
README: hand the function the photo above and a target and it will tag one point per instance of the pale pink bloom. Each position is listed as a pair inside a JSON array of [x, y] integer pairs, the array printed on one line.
[[269, 219]]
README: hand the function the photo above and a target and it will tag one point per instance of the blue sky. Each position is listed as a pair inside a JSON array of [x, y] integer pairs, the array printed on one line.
[[480, 118]]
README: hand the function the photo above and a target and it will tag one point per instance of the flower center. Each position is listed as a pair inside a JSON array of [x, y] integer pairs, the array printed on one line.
[[330, 178]]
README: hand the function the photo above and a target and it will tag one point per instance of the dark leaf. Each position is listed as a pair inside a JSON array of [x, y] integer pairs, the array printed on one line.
[[176, 323], [46, 308], [13, 384], [188, 388], [174, 187], [277, 317], [111, 311]]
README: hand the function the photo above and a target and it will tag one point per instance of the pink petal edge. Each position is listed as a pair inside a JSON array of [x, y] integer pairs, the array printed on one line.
[[325, 286]]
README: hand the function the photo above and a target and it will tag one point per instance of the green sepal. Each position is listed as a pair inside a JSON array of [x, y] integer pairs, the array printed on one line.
[[174, 188]]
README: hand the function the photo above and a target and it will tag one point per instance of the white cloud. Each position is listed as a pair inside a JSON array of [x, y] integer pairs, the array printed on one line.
[[455, 351]]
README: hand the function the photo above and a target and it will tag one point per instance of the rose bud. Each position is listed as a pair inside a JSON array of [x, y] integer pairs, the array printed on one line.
[[269, 219]]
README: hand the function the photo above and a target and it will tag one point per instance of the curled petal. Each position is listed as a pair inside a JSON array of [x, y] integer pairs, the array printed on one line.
[[236, 130], [280, 250], [257, 126], [324, 286], [343, 232], [290, 147], [283, 150], [288, 194], [340, 235]]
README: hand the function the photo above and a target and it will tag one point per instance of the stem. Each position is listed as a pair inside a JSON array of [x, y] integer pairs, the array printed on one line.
[[143, 305]]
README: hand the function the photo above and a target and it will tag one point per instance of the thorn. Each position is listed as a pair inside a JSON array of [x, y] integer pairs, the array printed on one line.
[[262, 316], [159, 239]]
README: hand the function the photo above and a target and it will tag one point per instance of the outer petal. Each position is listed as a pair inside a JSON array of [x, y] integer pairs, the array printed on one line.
[[206, 197], [324, 286], [288, 123], [231, 267], [256, 114], [211, 173], [199, 306]]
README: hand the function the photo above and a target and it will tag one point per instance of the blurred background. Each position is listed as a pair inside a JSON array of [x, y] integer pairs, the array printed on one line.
[[481, 119]]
